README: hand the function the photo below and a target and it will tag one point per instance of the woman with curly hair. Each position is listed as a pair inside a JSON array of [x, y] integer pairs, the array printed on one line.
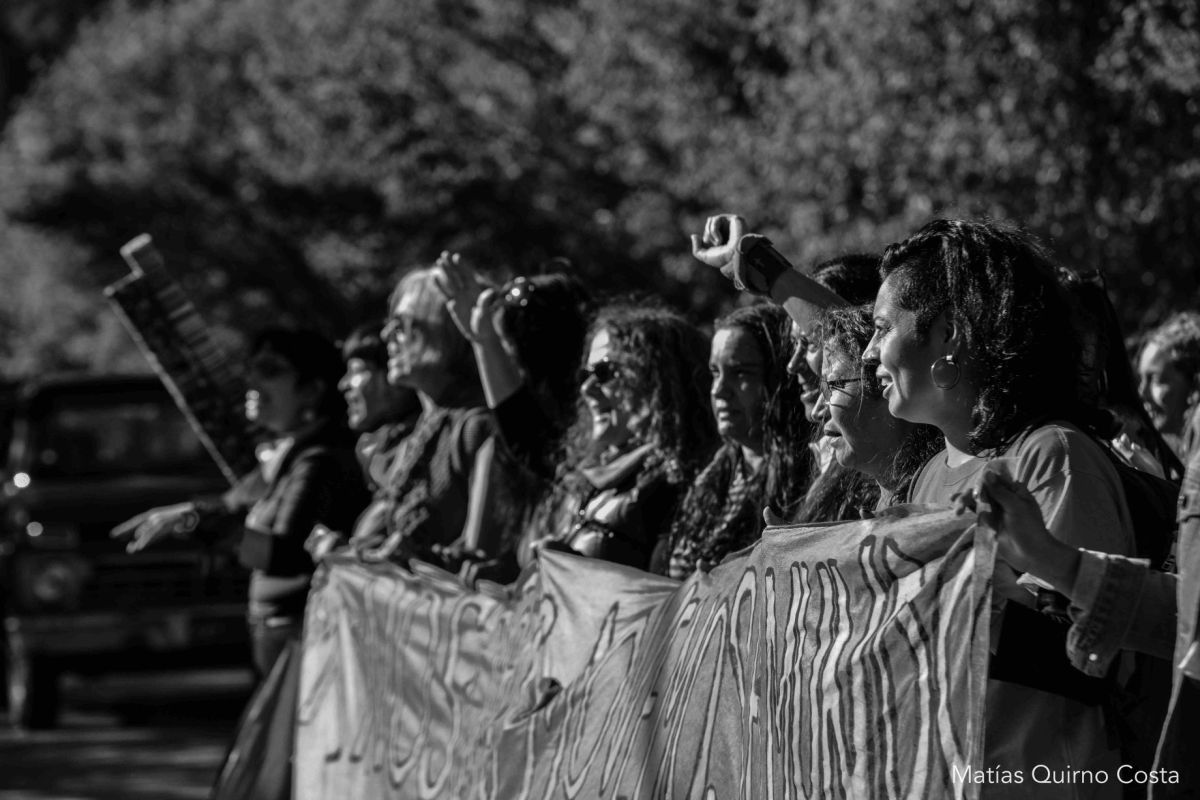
[[974, 335], [609, 454], [836, 492], [761, 420], [853, 412], [641, 432]]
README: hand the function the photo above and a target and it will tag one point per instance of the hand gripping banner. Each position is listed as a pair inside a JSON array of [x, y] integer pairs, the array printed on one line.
[[844, 660]]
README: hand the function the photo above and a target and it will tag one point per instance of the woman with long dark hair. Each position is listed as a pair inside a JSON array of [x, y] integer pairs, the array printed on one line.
[[836, 492], [1120, 604], [642, 430], [1108, 381], [637, 427], [760, 418], [973, 335]]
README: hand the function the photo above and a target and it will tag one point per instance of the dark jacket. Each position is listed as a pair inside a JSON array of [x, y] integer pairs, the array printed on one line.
[[429, 483], [624, 511], [376, 453], [317, 480], [627, 514]]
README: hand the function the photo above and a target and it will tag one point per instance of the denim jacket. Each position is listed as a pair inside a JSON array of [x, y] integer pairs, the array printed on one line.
[[1121, 603]]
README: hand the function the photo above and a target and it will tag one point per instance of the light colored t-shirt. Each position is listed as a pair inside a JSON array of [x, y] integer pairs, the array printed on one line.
[[1072, 478], [1083, 504]]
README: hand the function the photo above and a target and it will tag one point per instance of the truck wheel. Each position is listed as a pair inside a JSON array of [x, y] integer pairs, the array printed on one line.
[[32, 690]]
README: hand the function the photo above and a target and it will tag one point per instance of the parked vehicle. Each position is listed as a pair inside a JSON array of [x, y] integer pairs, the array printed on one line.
[[87, 452]]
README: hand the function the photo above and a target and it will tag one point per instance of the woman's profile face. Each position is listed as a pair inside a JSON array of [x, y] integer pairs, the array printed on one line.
[[616, 411], [1165, 391], [417, 332], [805, 367], [739, 389], [864, 434], [370, 399], [904, 358], [275, 398]]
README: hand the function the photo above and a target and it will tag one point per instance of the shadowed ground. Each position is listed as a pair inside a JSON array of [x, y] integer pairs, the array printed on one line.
[[135, 737]]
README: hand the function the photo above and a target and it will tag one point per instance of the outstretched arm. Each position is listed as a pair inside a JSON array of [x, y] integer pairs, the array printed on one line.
[[156, 524], [754, 265]]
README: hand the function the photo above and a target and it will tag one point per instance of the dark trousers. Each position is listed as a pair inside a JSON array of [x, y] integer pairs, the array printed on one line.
[[268, 637]]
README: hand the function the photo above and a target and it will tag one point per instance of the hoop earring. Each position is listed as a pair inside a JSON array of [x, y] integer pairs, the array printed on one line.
[[944, 373]]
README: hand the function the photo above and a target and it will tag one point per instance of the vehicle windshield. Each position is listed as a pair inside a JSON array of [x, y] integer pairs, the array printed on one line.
[[80, 434]]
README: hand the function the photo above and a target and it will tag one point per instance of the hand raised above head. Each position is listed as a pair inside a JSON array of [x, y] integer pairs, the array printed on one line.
[[717, 247], [726, 246], [461, 286], [487, 317]]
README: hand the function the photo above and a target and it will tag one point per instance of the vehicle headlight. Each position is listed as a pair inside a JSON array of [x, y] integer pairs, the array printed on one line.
[[52, 535]]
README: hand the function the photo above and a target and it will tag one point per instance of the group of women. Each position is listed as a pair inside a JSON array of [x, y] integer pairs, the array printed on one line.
[[963, 367]]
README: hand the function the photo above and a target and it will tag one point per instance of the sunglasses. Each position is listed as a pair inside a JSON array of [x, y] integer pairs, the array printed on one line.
[[602, 371]]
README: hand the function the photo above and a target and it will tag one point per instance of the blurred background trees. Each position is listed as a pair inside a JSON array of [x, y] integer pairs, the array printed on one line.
[[291, 156]]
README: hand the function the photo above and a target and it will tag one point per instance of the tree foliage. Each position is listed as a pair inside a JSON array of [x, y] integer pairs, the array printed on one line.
[[290, 156]]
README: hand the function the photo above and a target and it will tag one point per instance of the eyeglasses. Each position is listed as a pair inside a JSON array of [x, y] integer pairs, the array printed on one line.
[[603, 371], [829, 386], [397, 325], [518, 292]]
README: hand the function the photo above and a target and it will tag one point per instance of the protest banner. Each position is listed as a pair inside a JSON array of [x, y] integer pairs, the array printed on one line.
[[842, 660]]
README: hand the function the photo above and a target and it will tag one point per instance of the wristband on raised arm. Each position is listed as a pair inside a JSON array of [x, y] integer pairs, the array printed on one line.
[[762, 263]]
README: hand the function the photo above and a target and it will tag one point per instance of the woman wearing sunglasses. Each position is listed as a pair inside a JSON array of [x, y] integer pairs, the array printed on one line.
[[640, 435], [635, 433], [761, 418]]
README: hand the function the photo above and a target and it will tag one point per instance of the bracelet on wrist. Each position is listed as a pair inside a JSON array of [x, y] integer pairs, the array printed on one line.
[[764, 261]]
